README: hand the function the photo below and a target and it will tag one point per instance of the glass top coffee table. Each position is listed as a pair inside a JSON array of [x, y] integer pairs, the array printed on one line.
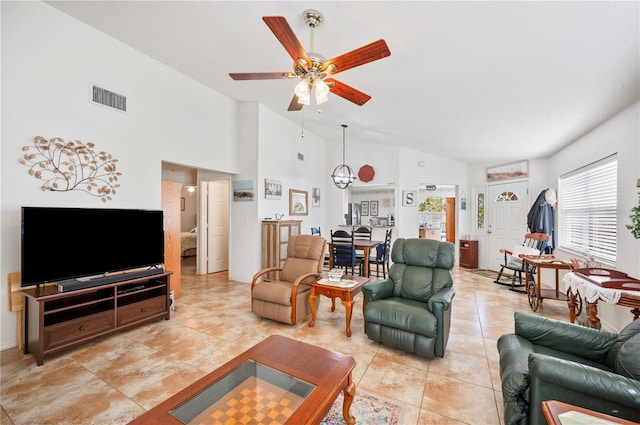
[[278, 381]]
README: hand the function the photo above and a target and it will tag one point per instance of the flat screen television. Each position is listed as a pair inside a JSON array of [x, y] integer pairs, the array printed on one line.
[[70, 243]]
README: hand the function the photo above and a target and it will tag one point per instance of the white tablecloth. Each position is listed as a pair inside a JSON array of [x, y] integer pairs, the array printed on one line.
[[592, 292]]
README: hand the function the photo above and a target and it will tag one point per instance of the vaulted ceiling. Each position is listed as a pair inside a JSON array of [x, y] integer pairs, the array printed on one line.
[[479, 82]]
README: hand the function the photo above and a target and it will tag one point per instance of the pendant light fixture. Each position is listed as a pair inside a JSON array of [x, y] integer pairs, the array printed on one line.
[[343, 175]]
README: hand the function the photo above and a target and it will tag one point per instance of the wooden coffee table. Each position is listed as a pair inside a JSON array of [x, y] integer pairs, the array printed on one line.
[[333, 290], [279, 380], [554, 409]]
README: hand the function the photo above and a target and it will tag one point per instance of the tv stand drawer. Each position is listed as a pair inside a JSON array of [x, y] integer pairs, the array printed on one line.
[[77, 329], [141, 310]]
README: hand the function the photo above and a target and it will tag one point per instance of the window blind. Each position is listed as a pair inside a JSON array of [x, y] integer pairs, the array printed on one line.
[[587, 206]]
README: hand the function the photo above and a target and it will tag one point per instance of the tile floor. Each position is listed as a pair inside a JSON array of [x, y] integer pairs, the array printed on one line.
[[114, 379]]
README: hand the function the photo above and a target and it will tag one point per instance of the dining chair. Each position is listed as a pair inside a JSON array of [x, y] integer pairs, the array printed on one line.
[[343, 251], [362, 233], [315, 231], [381, 256]]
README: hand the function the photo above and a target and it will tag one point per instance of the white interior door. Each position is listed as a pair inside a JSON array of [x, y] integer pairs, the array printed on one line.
[[507, 205], [213, 228], [218, 230]]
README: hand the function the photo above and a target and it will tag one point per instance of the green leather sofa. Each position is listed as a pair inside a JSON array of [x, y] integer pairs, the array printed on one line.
[[411, 309], [548, 359]]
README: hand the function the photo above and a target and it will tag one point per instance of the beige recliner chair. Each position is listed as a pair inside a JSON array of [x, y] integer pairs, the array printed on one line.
[[286, 299]]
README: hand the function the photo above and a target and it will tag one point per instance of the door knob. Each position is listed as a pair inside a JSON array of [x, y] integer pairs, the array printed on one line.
[[489, 230]]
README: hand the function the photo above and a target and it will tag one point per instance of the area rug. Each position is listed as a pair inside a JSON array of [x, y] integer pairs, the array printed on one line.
[[486, 273], [368, 409]]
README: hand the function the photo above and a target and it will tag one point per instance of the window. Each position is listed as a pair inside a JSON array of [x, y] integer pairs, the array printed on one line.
[[507, 197], [587, 220], [480, 211]]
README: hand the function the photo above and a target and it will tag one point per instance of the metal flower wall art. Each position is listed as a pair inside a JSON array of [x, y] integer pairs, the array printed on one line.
[[65, 166]]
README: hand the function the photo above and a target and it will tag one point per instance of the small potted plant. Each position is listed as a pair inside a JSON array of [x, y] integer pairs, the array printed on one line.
[[635, 220]]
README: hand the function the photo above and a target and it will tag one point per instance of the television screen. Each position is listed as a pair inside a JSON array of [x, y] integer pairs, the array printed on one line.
[[69, 243]]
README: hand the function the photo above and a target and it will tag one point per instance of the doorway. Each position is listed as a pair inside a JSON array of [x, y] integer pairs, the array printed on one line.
[[437, 212], [199, 228]]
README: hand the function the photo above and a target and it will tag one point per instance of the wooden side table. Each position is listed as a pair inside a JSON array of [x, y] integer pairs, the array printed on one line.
[[553, 409], [335, 290], [535, 293], [469, 254]]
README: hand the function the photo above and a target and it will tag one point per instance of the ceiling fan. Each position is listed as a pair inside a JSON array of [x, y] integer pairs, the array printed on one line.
[[312, 68]]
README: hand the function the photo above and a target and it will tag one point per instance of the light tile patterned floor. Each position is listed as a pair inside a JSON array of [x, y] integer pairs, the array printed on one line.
[[114, 379]]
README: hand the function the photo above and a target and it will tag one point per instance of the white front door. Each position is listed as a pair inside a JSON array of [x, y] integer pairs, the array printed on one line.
[[507, 205]]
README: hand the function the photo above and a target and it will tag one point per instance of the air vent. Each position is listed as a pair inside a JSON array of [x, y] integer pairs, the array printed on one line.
[[108, 98]]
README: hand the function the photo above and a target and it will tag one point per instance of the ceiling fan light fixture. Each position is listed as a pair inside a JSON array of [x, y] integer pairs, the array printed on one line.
[[303, 91], [322, 91]]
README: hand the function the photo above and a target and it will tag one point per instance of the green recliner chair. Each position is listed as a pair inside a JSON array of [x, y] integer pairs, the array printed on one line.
[[548, 359], [411, 309]]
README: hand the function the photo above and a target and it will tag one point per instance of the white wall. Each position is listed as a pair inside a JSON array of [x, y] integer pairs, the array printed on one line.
[[244, 252], [270, 151], [48, 61], [436, 170], [279, 145], [383, 159]]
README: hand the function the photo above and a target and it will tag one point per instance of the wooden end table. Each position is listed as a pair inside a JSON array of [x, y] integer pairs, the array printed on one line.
[[345, 291], [302, 380]]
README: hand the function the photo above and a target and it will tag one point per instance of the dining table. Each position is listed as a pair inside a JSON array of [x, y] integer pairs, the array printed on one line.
[[364, 245]]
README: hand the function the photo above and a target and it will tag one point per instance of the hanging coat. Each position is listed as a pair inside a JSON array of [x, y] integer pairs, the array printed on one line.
[[540, 220]]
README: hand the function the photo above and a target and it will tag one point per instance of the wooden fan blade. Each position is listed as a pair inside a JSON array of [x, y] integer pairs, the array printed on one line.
[[283, 32], [365, 54], [348, 92], [258, 75], [294, 105]]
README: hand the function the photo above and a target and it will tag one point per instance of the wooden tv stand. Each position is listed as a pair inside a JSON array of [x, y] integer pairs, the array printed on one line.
[[56, 321]]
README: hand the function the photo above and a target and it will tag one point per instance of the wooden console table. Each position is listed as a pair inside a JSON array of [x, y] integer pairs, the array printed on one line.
[[577, 286]]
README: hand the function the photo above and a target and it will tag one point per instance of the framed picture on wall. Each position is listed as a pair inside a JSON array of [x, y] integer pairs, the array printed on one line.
[[315, 196], [272, 189], [409, 198], [243, 190], [374, 208], [364, 208], [298, 202]]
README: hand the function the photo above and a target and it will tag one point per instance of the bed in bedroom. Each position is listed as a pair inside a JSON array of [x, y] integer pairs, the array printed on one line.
[[188, 244]]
